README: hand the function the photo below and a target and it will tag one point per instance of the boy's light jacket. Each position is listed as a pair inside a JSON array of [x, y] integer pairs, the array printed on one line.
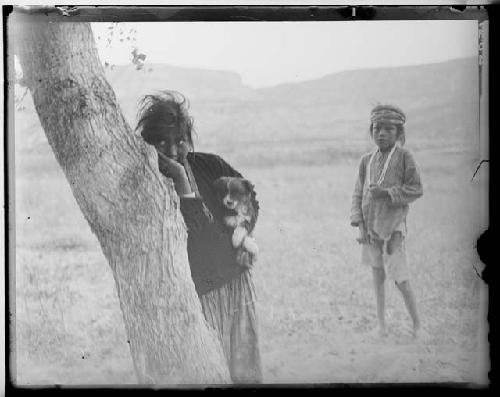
[[381, 216]]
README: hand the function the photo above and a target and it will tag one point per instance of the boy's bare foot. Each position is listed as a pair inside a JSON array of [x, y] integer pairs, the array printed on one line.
[[377, 334]]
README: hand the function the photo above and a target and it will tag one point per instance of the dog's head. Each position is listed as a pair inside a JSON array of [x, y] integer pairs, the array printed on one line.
[[233, 192]]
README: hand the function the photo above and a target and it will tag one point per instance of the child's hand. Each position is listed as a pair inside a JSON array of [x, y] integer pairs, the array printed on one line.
[[250, 245], [176, 171], [245, 259], [364, 237], [378, 192]]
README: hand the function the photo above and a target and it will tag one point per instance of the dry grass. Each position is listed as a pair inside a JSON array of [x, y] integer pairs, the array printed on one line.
[[316, 302]]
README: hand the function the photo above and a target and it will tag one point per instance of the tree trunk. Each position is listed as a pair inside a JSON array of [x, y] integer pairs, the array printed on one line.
[[132, 209]]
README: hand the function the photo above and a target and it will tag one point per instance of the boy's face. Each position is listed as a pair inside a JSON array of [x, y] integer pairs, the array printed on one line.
[[385, 135]]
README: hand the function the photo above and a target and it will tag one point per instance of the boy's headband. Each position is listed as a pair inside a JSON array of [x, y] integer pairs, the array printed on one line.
[[388, 114]]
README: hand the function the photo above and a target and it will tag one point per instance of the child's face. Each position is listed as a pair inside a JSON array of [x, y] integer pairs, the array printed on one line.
[[173, 145], [385, 135]]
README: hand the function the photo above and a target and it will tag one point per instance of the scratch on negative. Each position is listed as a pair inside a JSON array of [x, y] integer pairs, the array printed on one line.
[[475, 269], [479, 166]]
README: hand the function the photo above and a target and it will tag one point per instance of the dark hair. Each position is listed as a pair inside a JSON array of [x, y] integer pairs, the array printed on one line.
[[158, 113], [401, 133]]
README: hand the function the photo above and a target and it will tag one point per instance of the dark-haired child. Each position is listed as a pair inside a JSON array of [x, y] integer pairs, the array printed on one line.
[[387, 182], [225, 288]]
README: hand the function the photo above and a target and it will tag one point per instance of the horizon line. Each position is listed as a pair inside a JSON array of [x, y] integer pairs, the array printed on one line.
[[292, 82]]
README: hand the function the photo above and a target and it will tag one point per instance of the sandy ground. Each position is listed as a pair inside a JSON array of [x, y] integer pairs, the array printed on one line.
[[316, 306]]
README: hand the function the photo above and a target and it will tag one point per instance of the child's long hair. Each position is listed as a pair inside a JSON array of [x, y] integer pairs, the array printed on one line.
[[163, 111]]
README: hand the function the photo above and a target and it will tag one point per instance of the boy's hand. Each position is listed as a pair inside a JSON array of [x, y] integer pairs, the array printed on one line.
[[378, 192], [364, 237]]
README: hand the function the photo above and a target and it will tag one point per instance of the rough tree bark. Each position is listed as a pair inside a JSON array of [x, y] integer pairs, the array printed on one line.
[[131, 208]]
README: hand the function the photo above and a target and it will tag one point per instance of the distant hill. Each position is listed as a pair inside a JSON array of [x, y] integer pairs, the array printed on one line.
[[196, 84], [441, 101]]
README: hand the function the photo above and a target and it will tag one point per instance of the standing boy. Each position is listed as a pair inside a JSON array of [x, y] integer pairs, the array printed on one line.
[[387, 182]]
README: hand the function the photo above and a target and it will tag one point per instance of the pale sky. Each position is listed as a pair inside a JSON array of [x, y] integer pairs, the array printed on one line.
[[270, 53]]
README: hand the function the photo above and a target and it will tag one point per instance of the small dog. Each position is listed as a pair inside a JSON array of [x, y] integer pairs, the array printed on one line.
[[236, 195]]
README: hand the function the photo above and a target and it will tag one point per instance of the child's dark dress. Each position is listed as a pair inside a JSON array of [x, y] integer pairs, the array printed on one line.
[[226, 289]]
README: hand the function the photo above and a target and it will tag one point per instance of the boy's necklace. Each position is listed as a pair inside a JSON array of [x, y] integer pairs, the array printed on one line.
[[386, 165]]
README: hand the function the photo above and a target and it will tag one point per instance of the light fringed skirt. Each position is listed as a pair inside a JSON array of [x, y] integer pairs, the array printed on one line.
[[230, 310]]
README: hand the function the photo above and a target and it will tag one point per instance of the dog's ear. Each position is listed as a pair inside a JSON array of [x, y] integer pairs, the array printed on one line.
[[221, 185], [248, 185]]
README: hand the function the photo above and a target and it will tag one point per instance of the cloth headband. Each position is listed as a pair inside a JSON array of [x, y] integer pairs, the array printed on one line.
[[388, 115]]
